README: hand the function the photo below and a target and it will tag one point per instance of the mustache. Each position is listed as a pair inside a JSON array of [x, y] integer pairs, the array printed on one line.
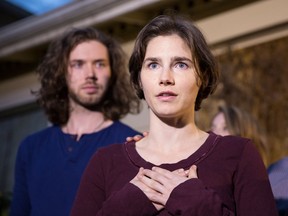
[[92, 84]]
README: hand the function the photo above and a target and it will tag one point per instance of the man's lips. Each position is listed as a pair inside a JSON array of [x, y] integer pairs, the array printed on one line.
[[91, 88]]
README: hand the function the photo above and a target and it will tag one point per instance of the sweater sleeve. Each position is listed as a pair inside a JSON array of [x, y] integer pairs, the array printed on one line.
[[193, 198], [21, 201], [252, 192], [91, 199]]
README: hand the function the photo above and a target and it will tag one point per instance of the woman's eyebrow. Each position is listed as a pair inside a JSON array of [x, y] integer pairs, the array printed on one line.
[[152, 59], [178, 58]]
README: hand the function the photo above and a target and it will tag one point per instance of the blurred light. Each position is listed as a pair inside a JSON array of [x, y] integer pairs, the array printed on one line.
[[38, 7]]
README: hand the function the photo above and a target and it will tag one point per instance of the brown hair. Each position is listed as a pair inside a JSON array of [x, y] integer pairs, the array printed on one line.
[[241, 123], [204, 61], [119, 99]]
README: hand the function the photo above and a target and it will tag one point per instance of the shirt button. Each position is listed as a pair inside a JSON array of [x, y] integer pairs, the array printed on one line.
[[70, 149]]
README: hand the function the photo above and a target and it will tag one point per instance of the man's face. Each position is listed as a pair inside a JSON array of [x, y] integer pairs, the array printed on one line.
[[88, 73]]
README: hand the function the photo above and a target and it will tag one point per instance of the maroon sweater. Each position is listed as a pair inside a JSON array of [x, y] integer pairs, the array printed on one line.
[[232, 180]]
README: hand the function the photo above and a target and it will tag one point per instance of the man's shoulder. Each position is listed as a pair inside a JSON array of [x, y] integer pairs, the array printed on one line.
[[41, 134], [122, 127], [38, 139], [281, 164]]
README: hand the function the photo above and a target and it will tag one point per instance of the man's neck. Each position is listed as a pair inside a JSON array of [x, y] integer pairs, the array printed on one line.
[[85, 122]]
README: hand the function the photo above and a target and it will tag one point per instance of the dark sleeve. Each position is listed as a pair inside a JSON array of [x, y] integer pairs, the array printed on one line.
[[20, 199], [252, 192], [91, 199], [193, 198]]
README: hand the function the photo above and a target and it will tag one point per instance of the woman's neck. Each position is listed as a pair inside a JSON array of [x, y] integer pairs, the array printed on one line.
[[170, 142], [170, 130]]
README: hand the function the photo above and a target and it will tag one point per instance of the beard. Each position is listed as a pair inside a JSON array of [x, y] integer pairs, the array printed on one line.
[[91, 102]]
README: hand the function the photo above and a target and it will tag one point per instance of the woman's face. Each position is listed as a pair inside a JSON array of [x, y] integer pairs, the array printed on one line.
[[168, 77], [218, 125]]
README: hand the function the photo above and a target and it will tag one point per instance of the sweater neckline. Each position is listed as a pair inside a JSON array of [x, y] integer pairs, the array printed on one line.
[[195, 158], [87, 134]]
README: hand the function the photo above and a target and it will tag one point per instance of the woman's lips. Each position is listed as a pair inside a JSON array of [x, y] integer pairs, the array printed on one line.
[[166, 95]]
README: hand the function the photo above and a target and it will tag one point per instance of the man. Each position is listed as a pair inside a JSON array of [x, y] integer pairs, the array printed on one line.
[[85, 90], [278, 176]]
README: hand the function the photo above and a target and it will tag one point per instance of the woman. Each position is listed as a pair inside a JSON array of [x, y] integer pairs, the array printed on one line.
[[177, 169], [230, 120]]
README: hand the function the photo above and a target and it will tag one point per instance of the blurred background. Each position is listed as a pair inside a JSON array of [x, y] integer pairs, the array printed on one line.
[[248, 37]]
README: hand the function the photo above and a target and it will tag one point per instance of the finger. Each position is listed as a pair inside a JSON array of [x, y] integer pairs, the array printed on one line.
[[128, 139], [181, 172], [162, 172], [145, 133], [193, 172], [137, 181], [140, 173], [170, 175], [156, 198], [153, 180], [135, 138]]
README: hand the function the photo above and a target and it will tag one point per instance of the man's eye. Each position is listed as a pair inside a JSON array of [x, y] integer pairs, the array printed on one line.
[[181, 65], [76, 65], [100, 64]]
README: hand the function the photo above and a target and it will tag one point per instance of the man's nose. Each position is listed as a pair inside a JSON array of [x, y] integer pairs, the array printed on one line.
[[91, 72]]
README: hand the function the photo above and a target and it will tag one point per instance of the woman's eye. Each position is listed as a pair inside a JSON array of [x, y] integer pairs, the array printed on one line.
[[153, 65]]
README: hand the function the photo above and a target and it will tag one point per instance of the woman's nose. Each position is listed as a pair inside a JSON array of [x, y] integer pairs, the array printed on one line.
[[167, 77]]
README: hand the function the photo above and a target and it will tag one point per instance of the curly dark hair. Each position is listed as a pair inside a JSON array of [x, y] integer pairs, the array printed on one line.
[[119, 99], [204, 61]]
